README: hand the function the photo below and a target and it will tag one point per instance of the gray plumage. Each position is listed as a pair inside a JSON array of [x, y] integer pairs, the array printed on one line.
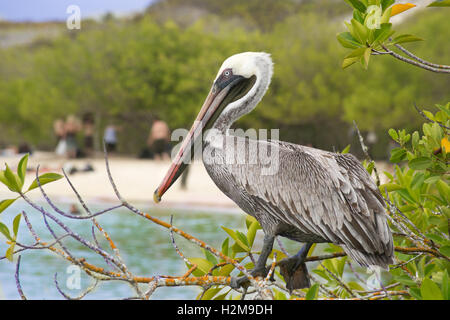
[[312, 196], [315, 195]]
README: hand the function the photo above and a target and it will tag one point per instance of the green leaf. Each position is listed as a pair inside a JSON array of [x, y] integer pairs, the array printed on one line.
[[397, 155], [357, 15], [346, 149], [10, 252], [349, 61], [4, 229], [393, 133], [355, 286], [390, 187], [203, 265], [433, 198], [436, 133], [243, 238], [221, 296], [366, 57], [236, 237], [16, 223], [360, 32], [252, 232], [386, 16], [279, 295], [415, 293], [408, 208], [432, 179], [415, 140], [347, 41], [405, 38], [444, 109], [44, 179], [445, 285], [249, 220], [5, 204], [386, 4], [445, 250], [358, 5], [357, 53], [226, 270], [404, 279], [12, 179], [210, 257], [417, 180], [339, 265], [22, 168], [312, 292], [406, 196], [430, 290], [225, 246], [210, 293], [390, 176], [444, 190], [420, 163], [3, 178], [440, 3]]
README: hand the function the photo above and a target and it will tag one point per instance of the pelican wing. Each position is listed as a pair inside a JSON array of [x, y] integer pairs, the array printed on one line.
[[322, 193]]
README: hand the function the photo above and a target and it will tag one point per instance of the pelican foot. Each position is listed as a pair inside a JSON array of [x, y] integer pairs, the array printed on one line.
[[294, 270], [295, 273], [243, 282]]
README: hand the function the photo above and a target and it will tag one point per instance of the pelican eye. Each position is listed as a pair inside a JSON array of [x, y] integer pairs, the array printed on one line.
[[227, 73]]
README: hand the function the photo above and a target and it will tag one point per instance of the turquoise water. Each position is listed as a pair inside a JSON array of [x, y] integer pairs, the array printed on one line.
[[145, 247]]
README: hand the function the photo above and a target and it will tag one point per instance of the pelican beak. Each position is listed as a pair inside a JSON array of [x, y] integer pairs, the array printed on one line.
[[222, 93], [193, 141]]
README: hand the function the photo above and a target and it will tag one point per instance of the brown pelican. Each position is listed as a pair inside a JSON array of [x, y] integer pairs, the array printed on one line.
[[312, 196]]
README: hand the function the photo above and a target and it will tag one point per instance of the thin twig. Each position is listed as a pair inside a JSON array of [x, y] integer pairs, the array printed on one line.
[[411, 55], [343, 285], [415, 63], [18, 285], [81, 296], [428, 119], [365, 149]]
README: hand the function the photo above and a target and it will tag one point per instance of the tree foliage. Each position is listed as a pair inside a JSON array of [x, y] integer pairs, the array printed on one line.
[[134, 70]]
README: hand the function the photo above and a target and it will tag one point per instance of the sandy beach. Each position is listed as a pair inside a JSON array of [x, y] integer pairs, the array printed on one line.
[[136, 180]]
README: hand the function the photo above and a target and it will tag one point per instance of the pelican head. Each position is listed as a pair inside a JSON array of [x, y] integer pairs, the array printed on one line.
[[240, 84]]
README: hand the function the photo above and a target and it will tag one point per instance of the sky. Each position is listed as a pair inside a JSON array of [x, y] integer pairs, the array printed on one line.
[[45, 10]]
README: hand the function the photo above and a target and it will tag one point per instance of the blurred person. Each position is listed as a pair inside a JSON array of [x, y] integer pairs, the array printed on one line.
[[60, 133], [72, 127], [74, 209], [24, 147], [371, 140], [110, 138], [159, 140], [10, 150], [88, 131]]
